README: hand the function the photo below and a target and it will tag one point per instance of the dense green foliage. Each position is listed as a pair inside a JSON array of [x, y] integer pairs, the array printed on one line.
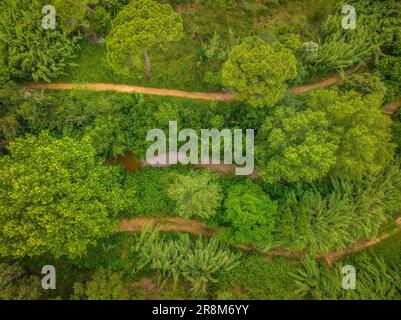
[[249, 215], [104, 285], [198, 262], [376, 281], [138, 27], [341, 133], [56, 197], [258, 72], [28, 51], [326, 176], [295, 146], [320, 220], [16, 284]]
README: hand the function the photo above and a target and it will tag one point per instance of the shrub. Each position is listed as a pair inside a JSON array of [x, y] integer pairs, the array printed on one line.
[[249, 215]]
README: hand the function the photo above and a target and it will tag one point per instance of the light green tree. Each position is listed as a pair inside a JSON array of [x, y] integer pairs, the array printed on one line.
[[73, 13], [361, 132], [196, 195], [55, 197], [138, 27], [295, 146], [258, 73]]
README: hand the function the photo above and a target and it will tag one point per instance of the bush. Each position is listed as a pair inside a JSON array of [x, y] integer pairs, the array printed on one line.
[[146, 193], [259, 278], [249, 215]]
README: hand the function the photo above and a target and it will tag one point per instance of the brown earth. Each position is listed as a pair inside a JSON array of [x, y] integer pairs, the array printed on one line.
[[167, 224], [130, 89]]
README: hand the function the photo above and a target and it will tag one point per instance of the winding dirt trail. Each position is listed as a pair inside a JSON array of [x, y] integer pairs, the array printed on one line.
[[218, 96], [389, 109], [131, 89], [195, 227]]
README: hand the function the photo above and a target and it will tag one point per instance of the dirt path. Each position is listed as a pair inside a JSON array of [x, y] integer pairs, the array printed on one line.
[[195, 227], [389, 109], [174, 93], [130, 89], [324, 83], [167, 224]]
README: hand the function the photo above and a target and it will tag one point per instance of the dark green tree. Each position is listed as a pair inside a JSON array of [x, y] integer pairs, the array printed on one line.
[[249, 215]]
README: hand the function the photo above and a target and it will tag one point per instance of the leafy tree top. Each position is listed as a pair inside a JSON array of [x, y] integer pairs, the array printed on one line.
[[295, 146], [258, 72], [342, 134], [359, 129], [249, 214], [55, 197], [139, 26], [196, 194]]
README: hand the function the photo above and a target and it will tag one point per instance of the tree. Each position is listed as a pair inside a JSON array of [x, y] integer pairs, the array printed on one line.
[[104, 285], [361, 132], [88, 15], [138, 27], [16, 284], [258, 73], [343, 134], [295, 145], [196, 195], [249, 215], [31, 52], [55, 197]]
